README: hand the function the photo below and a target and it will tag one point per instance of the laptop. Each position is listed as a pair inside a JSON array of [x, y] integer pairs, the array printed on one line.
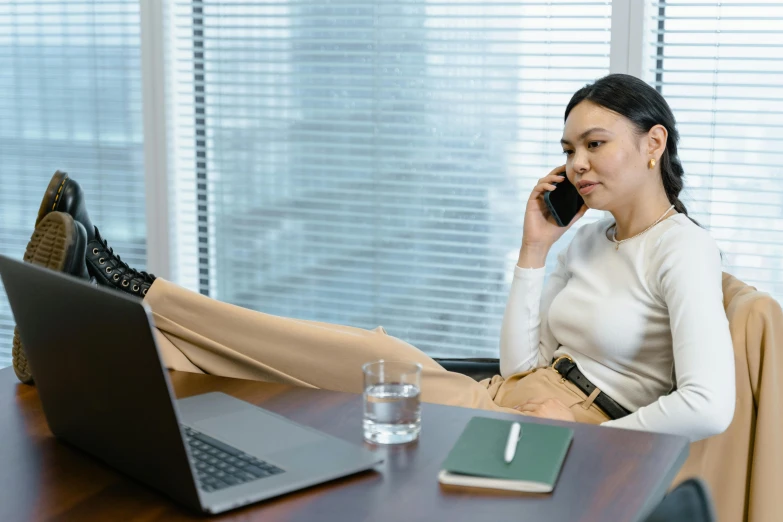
[[104, 390]]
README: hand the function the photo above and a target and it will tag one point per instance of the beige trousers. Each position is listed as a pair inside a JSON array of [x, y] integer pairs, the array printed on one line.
[[203, 335]]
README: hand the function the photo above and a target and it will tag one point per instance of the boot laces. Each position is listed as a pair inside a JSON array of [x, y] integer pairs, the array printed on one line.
[[145, 276]]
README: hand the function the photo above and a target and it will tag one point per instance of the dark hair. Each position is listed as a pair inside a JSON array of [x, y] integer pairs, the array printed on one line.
[[645, 107]]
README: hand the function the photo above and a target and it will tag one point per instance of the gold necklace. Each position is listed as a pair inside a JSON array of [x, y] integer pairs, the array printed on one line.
[[614, 232]]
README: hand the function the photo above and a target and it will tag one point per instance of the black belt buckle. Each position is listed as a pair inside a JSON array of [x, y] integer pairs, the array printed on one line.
[[568, 370], [564, 371]]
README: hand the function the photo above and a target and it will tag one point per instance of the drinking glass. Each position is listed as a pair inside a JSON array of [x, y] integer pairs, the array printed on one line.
[[392, 407]]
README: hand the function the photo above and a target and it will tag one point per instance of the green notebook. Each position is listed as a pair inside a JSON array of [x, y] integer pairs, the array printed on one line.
[[477, 459]]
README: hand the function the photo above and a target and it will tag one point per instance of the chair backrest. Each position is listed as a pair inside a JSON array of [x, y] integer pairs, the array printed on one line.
[[688, 502]]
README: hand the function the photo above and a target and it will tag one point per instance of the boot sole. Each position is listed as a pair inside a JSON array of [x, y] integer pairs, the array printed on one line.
[[51, 246], [52, 195]]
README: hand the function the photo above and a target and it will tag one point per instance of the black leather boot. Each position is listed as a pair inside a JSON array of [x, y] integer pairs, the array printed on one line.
[[65, 195], [58, 243], [108, 269]]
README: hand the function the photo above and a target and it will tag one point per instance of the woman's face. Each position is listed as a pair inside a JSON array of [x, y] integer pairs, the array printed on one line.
[[605, 159]]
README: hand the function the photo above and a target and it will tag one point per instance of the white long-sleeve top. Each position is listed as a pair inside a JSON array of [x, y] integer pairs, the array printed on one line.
[[644, 323]]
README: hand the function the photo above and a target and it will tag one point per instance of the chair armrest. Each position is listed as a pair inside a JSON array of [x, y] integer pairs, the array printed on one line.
[[478, 368]]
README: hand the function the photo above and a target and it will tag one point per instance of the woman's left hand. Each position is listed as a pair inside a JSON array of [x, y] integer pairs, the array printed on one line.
[[549, 408]]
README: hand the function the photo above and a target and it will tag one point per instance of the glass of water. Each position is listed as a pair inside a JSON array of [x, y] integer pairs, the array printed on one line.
[[392, 406]]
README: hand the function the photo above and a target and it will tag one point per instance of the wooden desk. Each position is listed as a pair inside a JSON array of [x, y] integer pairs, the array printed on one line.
[[609, 474]]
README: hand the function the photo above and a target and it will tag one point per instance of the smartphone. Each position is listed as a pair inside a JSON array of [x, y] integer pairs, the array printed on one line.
[[563, 202]]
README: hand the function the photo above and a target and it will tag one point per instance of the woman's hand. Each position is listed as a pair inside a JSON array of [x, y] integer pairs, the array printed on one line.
[[549, 408], [541, 230]]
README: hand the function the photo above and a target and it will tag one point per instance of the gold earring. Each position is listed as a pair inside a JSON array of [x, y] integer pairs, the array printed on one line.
[[651, 164]]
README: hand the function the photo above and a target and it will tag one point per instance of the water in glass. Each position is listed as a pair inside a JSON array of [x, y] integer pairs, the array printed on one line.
[[392, 413]]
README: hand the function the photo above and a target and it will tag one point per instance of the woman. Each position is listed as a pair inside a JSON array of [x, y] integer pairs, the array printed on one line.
[[634, 306], [636, 299]]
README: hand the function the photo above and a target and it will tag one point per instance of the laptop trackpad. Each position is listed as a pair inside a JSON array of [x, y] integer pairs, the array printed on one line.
[[255, 432]]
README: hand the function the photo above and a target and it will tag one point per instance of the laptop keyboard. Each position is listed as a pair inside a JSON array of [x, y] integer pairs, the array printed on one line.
[[219, 465]]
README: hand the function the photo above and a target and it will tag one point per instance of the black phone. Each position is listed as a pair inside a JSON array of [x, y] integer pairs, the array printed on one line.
[[563, 202]]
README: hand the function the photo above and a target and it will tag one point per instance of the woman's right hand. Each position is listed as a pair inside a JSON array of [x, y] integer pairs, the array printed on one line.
[[541, 230]]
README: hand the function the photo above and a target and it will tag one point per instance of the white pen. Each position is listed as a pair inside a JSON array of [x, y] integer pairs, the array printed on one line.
[[511, 444]]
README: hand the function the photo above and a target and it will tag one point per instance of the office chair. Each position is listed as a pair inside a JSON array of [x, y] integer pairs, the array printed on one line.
[[688, 502]]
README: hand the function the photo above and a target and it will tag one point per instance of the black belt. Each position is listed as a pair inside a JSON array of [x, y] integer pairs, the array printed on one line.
[[566, 367]]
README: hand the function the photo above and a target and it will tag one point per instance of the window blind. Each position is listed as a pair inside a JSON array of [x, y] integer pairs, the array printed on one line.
[[719, 66], [368, 162], [70, 99]]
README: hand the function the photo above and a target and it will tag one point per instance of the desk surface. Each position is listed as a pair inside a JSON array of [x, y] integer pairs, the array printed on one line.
[[609, 474]]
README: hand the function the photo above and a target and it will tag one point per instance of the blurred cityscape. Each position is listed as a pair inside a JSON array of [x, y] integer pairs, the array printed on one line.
[[370, 164]]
